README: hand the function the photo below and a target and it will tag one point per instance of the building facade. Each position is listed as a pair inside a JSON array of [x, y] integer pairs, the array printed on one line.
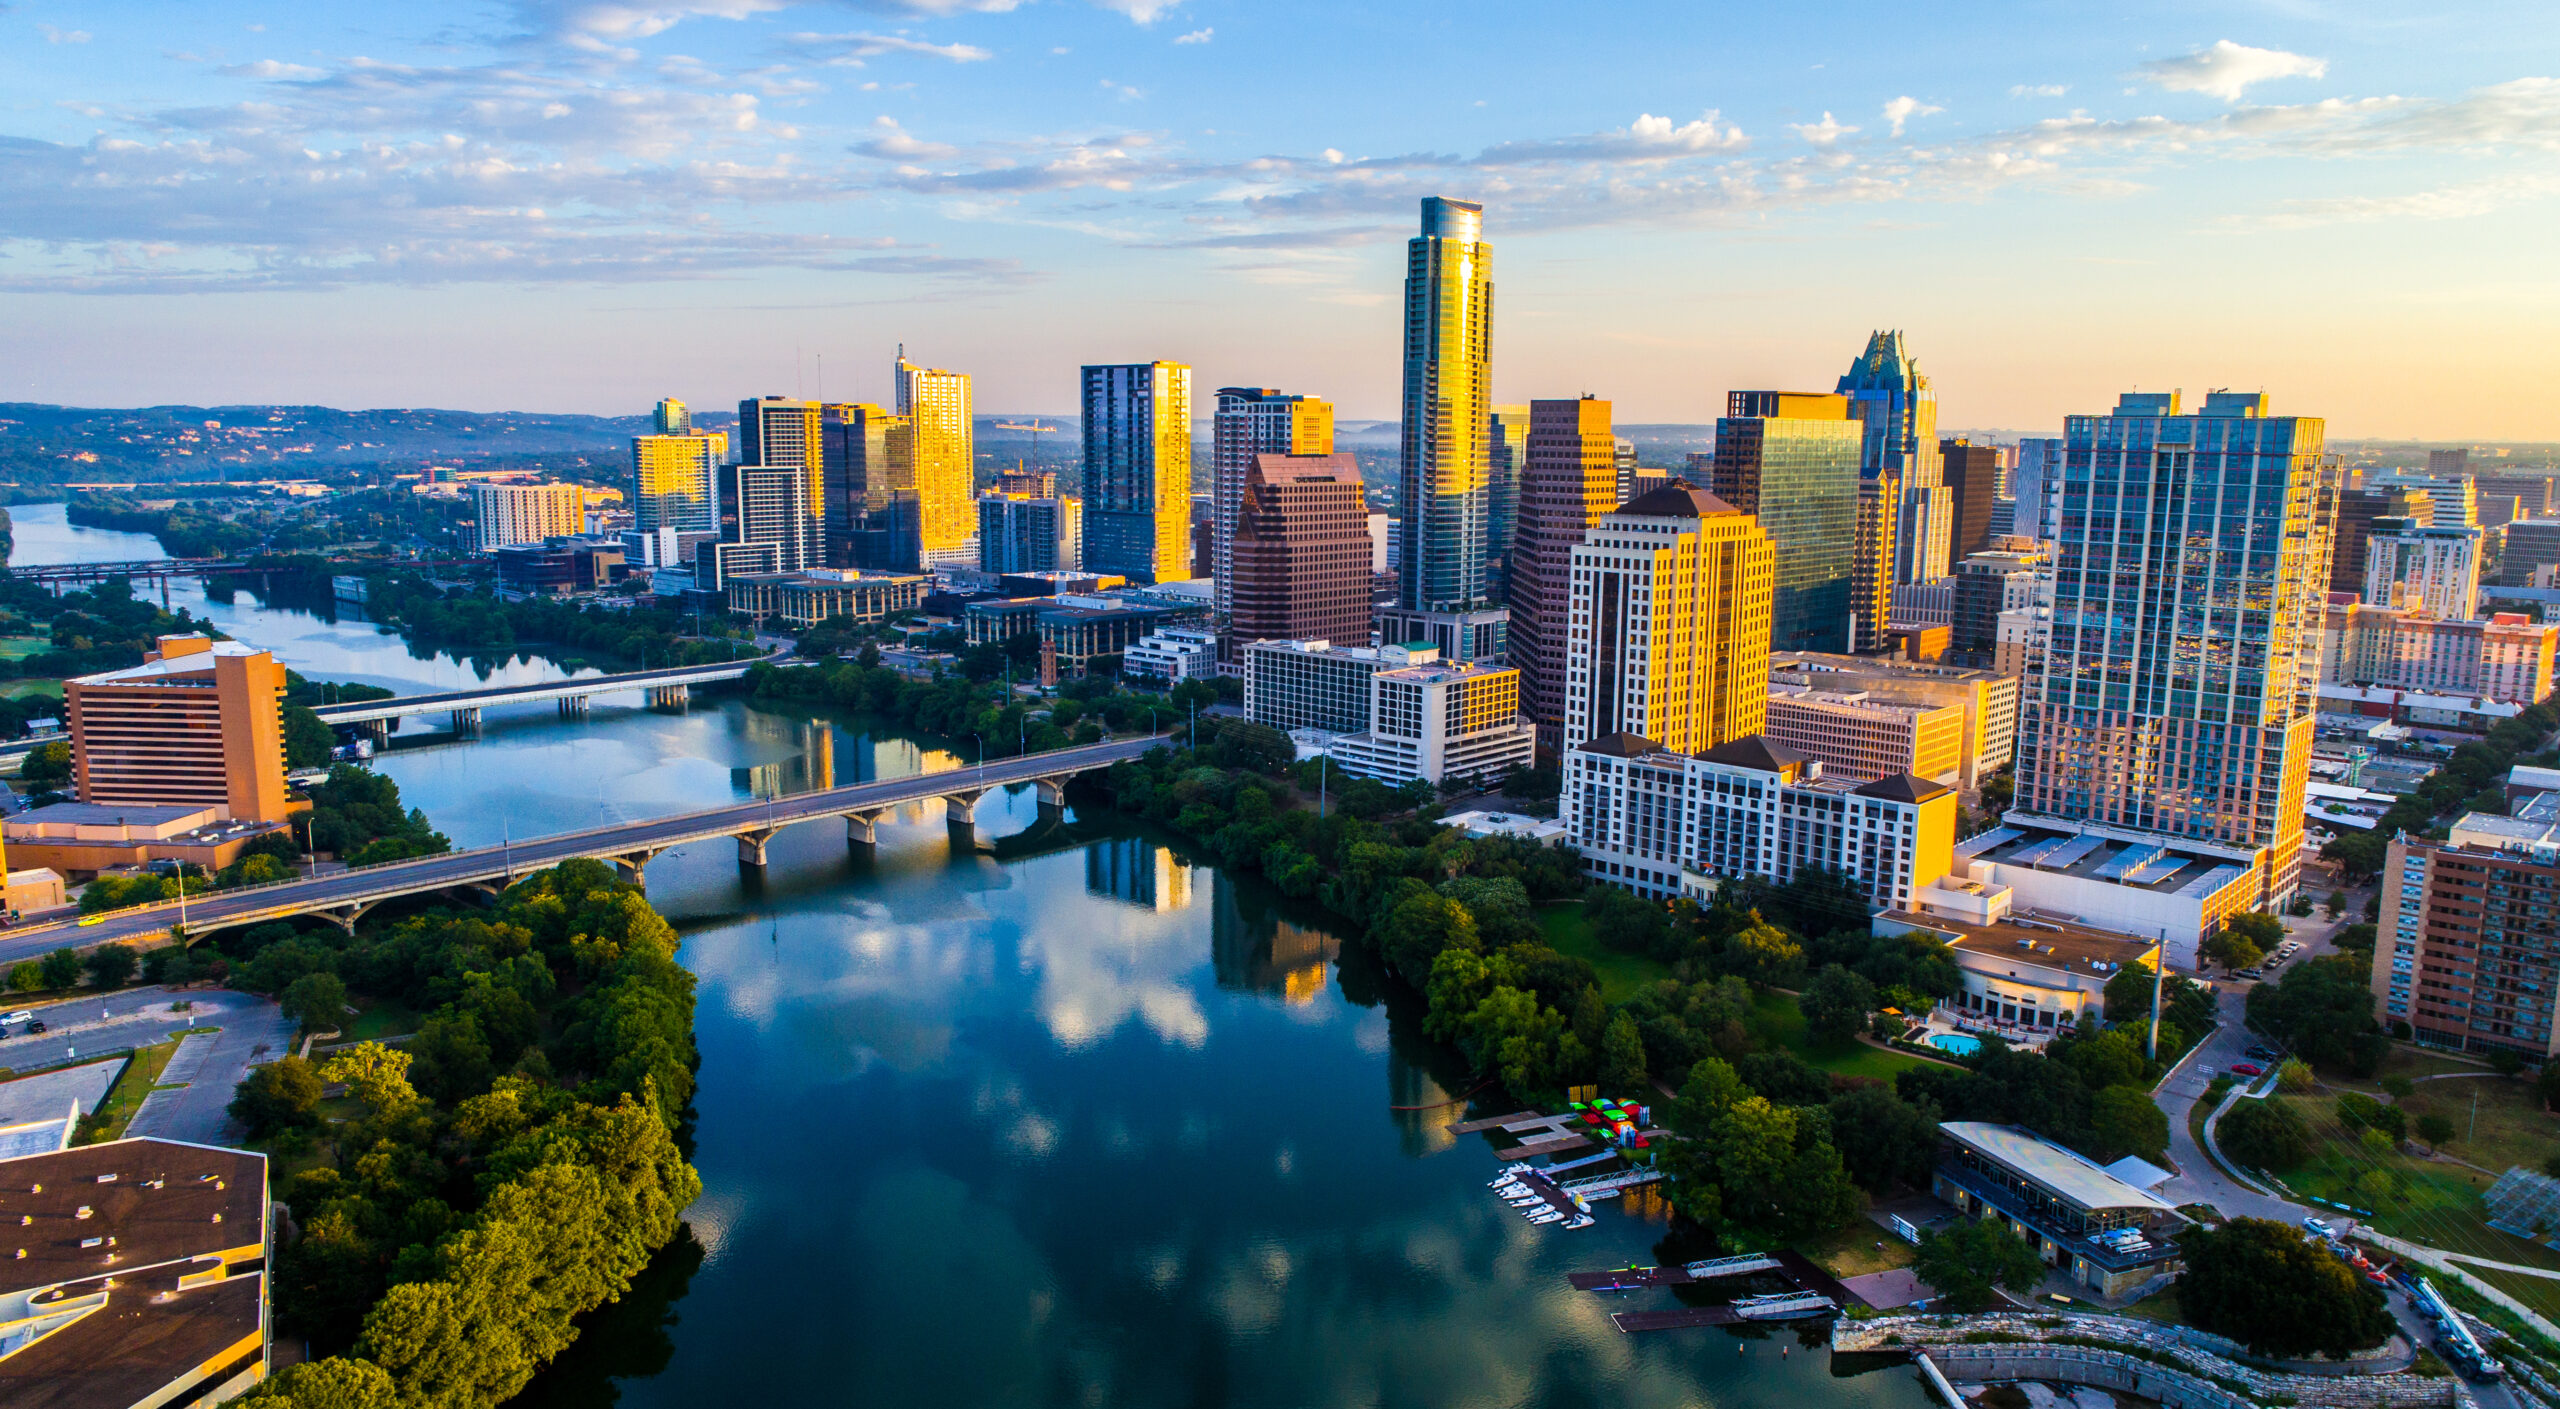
[[1299, 553], [941, 456], [1254, 421], [1987, 698], [1668, 633], [1438, 720], [672, 417], [1569, 483], [199, 722], [1791, 460], [1506, 472], [2465, 953], [1972, 474], [1292, 685], [769, 505], [1018, 533], [783, 432], [2413, 566], [1173, 655], [1856, 736], [672, 481], [525, 513], [2508, 657], [2101, 1232], [1448, 405], [1137, 470], [1898, 415], [803, 599], [873, 518]]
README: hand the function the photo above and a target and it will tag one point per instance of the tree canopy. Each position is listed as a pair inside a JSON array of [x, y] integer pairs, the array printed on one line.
[[2265, 1285]]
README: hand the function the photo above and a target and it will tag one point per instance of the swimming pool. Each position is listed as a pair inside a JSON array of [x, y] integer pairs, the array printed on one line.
[[1956, 1042]]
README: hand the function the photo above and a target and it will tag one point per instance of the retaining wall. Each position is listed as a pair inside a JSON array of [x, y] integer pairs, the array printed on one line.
[[2195, 1359]]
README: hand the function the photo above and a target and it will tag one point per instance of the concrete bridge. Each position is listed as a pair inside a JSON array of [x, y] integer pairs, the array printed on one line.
[[344, 897], [665, 687]]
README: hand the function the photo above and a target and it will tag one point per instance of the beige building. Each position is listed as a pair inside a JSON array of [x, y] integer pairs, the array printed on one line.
[[803, 599], [1988, 698], [526, 513], [80, 839], [2031, 976], [1437, 720], [2509, 657], [1860, 737], [938, 412], [199, 722], [1669, 630]]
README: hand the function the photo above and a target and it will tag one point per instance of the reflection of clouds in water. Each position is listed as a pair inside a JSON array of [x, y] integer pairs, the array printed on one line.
[[1371, 1033], [1033, 1134], [850, 985], [1101, 964], [714, 1217]]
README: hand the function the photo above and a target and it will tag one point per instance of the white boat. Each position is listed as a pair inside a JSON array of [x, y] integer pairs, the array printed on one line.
[[1528, 1201], [1550, 1216], [1582, 1220]]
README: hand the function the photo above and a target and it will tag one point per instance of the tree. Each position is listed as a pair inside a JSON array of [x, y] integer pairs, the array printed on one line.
[[1835, 1004], [2436, 1128], [316, 1002], [47, 764], [2506, 1061], [1622, 1055], [27, 976], [378, 1075], [1255, 747], [2266, 1134], [2231, 948], [62, 968], [1884, 1139], [2337, 903], [2400, 1088], [2264, 1285], [1965, 1262], [2322, 1010], [339, 1382], [308, 739], [1765, 956], [2358, 1111], [2128, 1122], [111, 966], [282, 1094], [2294, 1076], [2546, 1083]]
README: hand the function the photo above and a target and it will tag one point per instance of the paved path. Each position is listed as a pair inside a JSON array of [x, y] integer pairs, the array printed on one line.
[[130, 1017], [193, 1099]]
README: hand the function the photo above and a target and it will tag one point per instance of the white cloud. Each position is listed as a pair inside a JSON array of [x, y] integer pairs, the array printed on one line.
[[271, 69], [62, 36], [1648, 138], [2456, 202], [895, 144], [1139, 11], [1197, 36], [1127, 93], [2038, 90], [1823, 133], [850, 49], [2228, 70], [1901, 110]]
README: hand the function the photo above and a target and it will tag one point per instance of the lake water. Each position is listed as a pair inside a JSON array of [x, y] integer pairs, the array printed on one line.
[[1060, 1120]]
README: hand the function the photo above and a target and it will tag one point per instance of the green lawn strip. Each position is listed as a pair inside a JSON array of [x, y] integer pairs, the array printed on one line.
[[1621, 974], [2434, 1204], [2161, 1306], [21, 647], [1853, 1251], [14, 688], [1779, 1020], [2498, 1121], [132, 1085], [2540, 1293], [381, 1018]]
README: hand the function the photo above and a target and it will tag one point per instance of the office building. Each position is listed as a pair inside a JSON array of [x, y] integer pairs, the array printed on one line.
[[1444, 502], [1987, 699], [672, 418], [2411, 566], [559, 567], [2532, 491], [1017, 533], [2507, 657], [80, 839], [1873, 594], [1254, 421], [867, 455], [1669, 623], [780, 433], [525, 513], [1298, 556], [1790, 459], [2019, 651], [2530, 556], [1622, 459], [2028, 978], [140, 1274], [2454, 501], [1293, 685], [1173, 655], [942, 454], [1667, 824], [769, 505], [2175, 709], [800, 600], [2135, 883], [672, 481], [1861, 738], [1898, 416], [1987, 583], [2108, 1235], [199, 722], [1972, 474], [716, 562], [1569, 483], [1137, 470], [2454, 463], [1506, 471], [2035, 482], [2465, 953], [1439, 720]]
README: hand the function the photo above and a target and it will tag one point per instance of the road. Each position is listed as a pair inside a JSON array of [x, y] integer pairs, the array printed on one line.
[[207, 1069], [151, 923], [131, 1017]]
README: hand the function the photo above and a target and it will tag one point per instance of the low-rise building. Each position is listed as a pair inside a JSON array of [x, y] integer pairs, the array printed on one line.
[[1292, 685], [1173, 655], [559, 567], [2508, 657], [1443, 719], [1856, 736], [803, 599], [1988, 698], [2137, 883], [2098, 1230], [2465, 952], [2025, 975], [1665, 824], [1078, 629], [80, 839], [139, 1278]]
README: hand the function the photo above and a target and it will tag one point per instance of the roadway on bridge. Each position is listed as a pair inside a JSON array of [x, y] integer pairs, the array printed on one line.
[[226, 909], [487, 696]]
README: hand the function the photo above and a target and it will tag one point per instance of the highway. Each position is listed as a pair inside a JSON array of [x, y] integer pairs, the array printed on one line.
[[349, 892]]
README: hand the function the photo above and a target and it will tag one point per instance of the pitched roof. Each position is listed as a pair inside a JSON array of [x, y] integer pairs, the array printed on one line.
[[1754, 751], [1678, 499], [1621, 745], [1902, 787]]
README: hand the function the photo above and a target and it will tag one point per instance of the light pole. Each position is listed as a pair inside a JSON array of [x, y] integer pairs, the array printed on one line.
[[982, 756]]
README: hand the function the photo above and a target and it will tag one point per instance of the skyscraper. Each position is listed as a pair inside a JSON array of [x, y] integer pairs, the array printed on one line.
[[1300, 553], [1137, 470], [770, 507], [673, 418], [1670, 623], [2170, 698], [1900, 413], [1027, 533], [1791, 459], [672, 479], [781, 432], [1569, 481], [1254, 421], [2411, 565], [941, 453], [868, 454], [1448, 404], [1972, 476], [1506, 464]]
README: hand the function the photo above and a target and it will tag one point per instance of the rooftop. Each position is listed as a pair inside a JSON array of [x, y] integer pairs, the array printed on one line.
[[167, 669], [2161, 864], [1678, 499], [2034, 937], [2068, 1176]]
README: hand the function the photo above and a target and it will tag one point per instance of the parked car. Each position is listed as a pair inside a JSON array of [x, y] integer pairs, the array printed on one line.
[[2261, 1052], [2248, 1069]]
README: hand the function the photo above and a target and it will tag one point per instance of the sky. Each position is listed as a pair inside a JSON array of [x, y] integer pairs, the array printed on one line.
[[558, 205]]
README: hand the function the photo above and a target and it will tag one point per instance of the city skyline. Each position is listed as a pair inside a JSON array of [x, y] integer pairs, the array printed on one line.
[[531, 195]]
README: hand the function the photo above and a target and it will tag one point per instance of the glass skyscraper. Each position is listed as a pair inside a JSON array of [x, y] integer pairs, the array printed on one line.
[[672, 479], [941, 461], [1137, 470], [1448, 404], [1791, 459], [1506, 466], [1893, 402]]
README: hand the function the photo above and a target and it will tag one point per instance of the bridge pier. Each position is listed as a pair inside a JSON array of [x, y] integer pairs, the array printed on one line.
[[633, 866], [671, 697], [466, 723], [380, 729], [861, 828], [751, 848], [1052, 791], [575, 706]]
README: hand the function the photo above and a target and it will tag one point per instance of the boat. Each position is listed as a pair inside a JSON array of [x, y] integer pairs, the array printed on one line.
[[1583, 1220], [1550, 1216]]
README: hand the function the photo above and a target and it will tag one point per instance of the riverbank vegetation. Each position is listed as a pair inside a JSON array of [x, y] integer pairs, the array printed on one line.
[[105, 627], [511, 1168]]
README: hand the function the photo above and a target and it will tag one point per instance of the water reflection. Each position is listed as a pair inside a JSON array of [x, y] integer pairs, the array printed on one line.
[[1137, 870], [1258, 949]]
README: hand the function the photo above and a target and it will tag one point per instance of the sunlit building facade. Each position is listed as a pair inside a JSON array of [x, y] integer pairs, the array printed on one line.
[[941, 453], [672, 476], [1137, 470], [1898, 412], [1448, 357], [1669, 623], [1254, 421], [1570, 481], [1790, 459]]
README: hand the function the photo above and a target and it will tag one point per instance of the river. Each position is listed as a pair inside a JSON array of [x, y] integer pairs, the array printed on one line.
[[1071, 1122]]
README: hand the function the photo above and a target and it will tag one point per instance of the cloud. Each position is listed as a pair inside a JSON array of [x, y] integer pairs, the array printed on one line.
[[1139, 11], [1197, 36], [271, 69], [2456, 202], [1901, 110], [894, 144], [2228, 70], [1823, 133], [2038, 90], [1648, 138], [62, 36], [849, 50], [1127, 93]]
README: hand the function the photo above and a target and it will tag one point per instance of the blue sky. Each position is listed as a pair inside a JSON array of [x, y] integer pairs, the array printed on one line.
[[561, 205]]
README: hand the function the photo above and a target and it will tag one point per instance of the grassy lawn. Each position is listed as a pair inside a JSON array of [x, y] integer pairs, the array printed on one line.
[[2161, 1306], [21, 647], [2411, 1197], [1780, 1021], [14, 688], [2540, 1293], [141, 1072], [1854, 1252], [1620, 974], [382, 1017]]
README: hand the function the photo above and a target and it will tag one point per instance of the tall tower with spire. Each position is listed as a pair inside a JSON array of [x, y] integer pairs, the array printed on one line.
[[1889, 394]]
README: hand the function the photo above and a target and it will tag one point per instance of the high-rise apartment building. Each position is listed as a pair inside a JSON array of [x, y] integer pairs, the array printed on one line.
[[1018, 533], [785, 432], [941, 452], [1669, 623], [2453, 501], [1321, 685], [2531, 556], [673, 479], [2508, 657], [2033, 482], [673, 418], [769, 507], [1137, 470], [1300, 551], [1253, 421], [2465, 953], [1972, 474], [2412, 566], [1899, 414], [1790, 459], [506, 514], [2171, 697], [1443, 719], [1622, 459], [1569, 482], [1872, 589], [873, 520], [199, 722], [1448, 405], [1506, 467], [1859, 737]]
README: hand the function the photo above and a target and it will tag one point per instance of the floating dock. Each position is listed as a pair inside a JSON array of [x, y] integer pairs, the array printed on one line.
[[1631, 1278], [1785, 1307], [1817, 1293]]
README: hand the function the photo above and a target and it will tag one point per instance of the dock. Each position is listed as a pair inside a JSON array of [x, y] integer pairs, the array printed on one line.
[[1629, 1279], [1816, 1293], [1496, 1122], [1785, 1307], [1538, 1183]]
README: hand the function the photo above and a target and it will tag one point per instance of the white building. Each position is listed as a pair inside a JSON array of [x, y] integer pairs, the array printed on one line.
[[1431, 721], [527, 513], [2411, 566], [1172, 655], [1292, 685], [1665, 824]]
